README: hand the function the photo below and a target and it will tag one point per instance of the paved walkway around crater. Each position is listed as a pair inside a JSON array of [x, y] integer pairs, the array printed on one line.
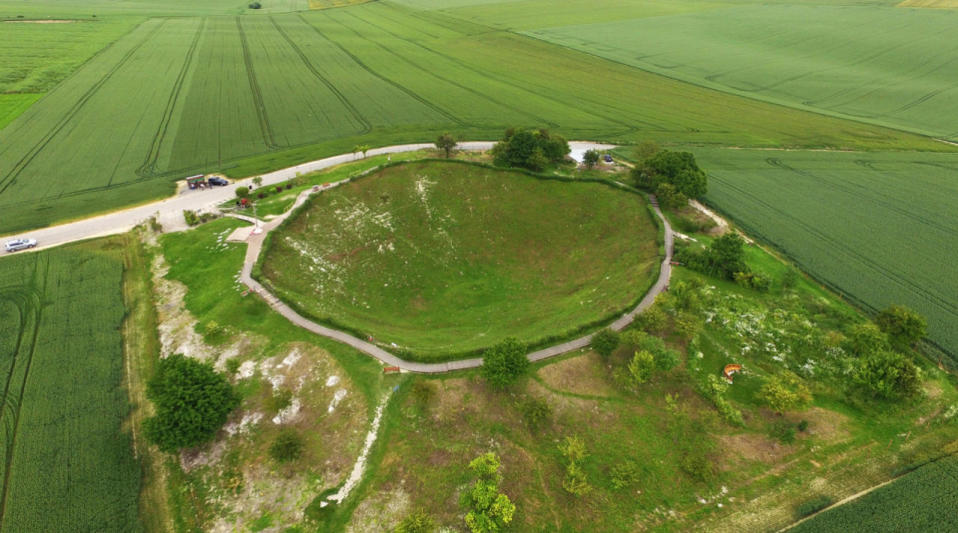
[[255, 247]]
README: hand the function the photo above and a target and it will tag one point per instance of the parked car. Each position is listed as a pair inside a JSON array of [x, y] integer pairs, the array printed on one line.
[[218, 181], [19, 244], [607, 158]]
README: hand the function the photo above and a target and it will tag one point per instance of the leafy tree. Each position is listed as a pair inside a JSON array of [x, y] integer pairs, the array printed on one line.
[[669, 196], [505, 363], [417, 522], [605, 341], [727, 255], [590, 158], [192, 402], [537, 160], [575, 482], [676, 168], [866, 339], [258, 181], [534, 411], [652, 319], [446, 143], [904, 326], [624, 474], [529, 149], [641, 366], [242, 192], [490, 511], [665, 359], [889, 375], [784, 392], [287, 447], [645, 150]]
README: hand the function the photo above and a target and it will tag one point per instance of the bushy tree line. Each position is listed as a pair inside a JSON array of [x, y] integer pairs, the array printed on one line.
[[531, 149]]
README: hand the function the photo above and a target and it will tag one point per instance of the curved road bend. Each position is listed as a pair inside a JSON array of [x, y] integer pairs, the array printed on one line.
[[255, 246], [169, 212]]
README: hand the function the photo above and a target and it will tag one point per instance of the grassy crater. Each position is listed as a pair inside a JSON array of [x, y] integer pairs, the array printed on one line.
[[438, 259]]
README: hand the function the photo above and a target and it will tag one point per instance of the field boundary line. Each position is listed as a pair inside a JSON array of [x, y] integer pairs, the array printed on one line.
[[146, 169], [265, 128], [367, 127]]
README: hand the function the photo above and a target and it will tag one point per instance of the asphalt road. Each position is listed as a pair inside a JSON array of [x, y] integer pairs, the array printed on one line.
[[169, 212]]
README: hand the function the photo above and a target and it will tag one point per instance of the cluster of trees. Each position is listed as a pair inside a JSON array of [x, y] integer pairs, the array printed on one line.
[[673, 177], [531, 149], [192, 402], [724, 258], [880, 369]]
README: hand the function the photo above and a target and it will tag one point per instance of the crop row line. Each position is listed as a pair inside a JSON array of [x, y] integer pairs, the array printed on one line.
[[434, 74], [367, 127], [412, 94], [507, 82], [149, 163], [264, 125], [20, 165], [840, 248], [850, 189]]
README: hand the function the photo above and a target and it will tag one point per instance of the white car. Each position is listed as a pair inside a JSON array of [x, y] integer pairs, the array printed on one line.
[[19, 244]]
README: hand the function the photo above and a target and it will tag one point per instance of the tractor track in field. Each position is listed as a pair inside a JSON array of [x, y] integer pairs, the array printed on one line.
[[255, 243], [367, 126], [409, 92], [500, 79], [840, 249], [149, 164], [27, 158], [10, 428], [417, 66], [264, 125]]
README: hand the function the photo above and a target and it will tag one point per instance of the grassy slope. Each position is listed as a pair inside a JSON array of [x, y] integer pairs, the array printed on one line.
[[65, 402], [430, 256], [868, 63], [877, 226], [849, 445], [306, 86]]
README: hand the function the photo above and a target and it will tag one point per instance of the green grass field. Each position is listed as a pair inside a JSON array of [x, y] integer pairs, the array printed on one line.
[[242, 94], [876, 226], [871, 63], [445, 258], [67, 465], [758, 480], [920, 501]]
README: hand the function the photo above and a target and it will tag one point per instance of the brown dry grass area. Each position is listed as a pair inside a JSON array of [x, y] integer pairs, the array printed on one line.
[[750, 447], [585, 375]]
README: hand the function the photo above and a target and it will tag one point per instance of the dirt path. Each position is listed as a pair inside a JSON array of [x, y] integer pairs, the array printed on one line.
[[255, 247]]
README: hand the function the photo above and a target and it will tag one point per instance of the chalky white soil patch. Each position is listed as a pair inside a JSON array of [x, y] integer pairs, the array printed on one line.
[[244, 482], [177, 326], [380, 513]]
